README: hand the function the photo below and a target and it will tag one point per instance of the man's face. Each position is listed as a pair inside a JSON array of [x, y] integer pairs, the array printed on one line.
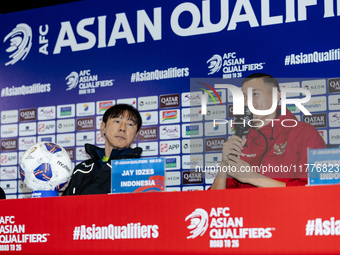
[[119, 131], [262, 95]]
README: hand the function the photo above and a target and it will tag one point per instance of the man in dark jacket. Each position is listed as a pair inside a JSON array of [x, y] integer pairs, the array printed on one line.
[[120, 127]]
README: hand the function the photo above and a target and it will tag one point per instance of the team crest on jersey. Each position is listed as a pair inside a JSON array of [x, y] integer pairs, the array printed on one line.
[[279, 149]]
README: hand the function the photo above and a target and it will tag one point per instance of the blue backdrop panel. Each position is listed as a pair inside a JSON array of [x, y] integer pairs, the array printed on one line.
[[68, 62]]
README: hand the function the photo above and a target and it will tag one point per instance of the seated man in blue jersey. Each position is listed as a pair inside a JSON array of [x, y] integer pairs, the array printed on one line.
[[119, 127]]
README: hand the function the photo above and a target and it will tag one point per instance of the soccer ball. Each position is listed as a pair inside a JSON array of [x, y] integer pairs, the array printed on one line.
[[45, 166]]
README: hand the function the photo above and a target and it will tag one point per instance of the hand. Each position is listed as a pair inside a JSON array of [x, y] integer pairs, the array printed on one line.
[[240, 169], [233, 146]]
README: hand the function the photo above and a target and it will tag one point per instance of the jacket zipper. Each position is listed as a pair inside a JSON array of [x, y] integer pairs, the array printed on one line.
[[265, 138]]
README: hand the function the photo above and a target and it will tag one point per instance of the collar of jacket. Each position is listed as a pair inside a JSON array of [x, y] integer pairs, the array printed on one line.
[[97, 153], [274, 127]]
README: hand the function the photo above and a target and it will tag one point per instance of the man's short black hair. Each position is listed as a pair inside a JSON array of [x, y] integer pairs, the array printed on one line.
[[119, 110], [265, 77]]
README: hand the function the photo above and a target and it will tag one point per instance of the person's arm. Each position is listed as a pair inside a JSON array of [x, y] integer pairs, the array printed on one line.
[[220, 181], [234, 145], [232, 149], [243, 174]]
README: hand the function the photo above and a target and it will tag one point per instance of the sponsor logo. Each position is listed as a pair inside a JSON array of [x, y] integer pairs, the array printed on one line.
[[192, 177], [25, 143], [191, 161], [150, 118], [67, 125], [170, 132], [214, 144], [26, 129], [85, 124], [148, 133], [334, 102], [102, 106], [8, 159], [192, 130], [149, 148], [213, 129], [317, 120], [9, 172], [192, 145], [47, 138], [173, 178], [46, 113], [172, 162], [130, 101], [85, 137], [191, 98], [82, 155], [28, 115], [100, 138], [334, 136], [170, 147], [47, 127], [168, 101], [9, 130], [66, 111], [334, 119], [170, 116], [334, 85], [192, 114], [147, 103], [86, 109], [9, 144], [9, 116], [20, 43], [315, 87], [316, 104], [70, 152], [216, 112]]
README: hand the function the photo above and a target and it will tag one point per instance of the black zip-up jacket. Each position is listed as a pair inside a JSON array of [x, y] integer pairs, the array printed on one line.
[[93, 176]]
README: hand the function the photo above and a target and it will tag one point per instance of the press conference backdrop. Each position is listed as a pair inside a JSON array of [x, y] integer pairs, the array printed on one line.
[[61, 67]]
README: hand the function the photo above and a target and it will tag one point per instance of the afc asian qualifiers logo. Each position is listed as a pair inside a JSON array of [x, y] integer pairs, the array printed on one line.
[[72, 80], [199, 222], [215, 64], [20, 43]]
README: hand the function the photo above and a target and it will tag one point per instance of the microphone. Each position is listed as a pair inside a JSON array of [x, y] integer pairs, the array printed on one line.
[[241, 122]]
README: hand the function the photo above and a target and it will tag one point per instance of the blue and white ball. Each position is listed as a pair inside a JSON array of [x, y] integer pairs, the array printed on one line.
[[45, 166]]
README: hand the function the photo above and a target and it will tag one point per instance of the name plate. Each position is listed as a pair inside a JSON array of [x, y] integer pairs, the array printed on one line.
[[323, 166], [137, 175]]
